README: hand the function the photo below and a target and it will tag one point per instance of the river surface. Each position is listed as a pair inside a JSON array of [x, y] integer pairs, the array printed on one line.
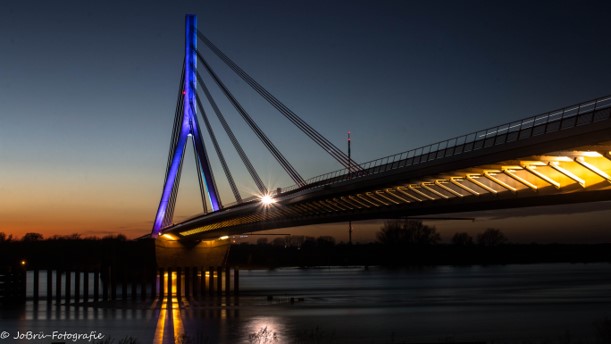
[[501, 304]]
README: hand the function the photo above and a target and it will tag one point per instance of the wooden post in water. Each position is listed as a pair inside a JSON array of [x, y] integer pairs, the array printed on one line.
[[188, 283], [160, 283], [153, 283], [105, 285], [134, 283], [236, 280], [68, 286], [58, 286], [96, 285], [86, 286], [227, 281], [77, 285], [193, 278], [202, 280], [169, 284], [113, 284], [178, 283], [219, 280], [49, 286], [194, 282], [124, 285], [211, 281], [187, 287], [143, 278], [36, 283]]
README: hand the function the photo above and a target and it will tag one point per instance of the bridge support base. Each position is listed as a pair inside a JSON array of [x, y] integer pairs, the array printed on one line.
[[175, 253]]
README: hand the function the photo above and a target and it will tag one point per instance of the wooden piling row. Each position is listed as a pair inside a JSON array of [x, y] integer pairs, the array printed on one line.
[[193, 282], [180, 282]]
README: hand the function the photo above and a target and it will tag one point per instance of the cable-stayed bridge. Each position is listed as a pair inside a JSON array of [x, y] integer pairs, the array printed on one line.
[[562, 156]]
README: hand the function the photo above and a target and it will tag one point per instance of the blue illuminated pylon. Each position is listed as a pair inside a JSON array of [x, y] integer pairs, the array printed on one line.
[[185, 126]]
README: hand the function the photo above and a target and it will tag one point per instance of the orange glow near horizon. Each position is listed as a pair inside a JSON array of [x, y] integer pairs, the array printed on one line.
[[89, 224], [56, 206]]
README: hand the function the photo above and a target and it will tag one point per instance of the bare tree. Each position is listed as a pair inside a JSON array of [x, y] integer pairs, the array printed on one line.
[[462, 239], [32, 237], [408, 233], [491, 237]]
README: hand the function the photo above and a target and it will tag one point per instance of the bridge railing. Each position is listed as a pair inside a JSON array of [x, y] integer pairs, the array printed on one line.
[[565, 118]]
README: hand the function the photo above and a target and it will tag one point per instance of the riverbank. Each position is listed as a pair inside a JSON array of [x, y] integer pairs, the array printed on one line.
[[140, 254], [273, 256]]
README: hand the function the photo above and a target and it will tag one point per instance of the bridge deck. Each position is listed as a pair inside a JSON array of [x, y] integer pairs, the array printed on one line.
[[558, 157]]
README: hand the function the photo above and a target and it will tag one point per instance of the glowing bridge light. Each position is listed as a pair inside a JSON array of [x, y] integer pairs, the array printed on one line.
[[267, 200], [598, 171], [224, 237], [556, 166], [169, 236], [590, 154]]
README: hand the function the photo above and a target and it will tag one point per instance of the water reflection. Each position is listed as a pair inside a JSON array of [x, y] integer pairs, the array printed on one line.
[[183, 319], [169, 327], [503, 303], [266, 329]]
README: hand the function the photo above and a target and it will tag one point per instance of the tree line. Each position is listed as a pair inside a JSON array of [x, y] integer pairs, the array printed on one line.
[[34, 236], [399, 243], [415, 233]]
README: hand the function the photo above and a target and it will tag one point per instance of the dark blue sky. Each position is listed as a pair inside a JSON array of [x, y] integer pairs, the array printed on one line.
[[87, 89]]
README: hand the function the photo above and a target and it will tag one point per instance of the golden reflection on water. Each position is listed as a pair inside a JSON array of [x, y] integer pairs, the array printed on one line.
[[160, 328], [170, 320], [178, 328], [169, 328]]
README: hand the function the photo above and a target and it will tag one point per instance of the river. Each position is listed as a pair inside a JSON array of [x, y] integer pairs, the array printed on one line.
[[501, 304]]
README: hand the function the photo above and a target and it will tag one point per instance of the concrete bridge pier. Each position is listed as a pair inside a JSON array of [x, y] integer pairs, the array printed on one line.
[[171, 253], [192, 269]]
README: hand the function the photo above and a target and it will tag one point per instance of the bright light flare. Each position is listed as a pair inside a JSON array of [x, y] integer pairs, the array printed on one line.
[[267, 200], [169, 236], [590, 154]]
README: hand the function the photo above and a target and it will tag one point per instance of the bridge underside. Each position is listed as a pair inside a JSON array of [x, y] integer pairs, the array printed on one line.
[[564, 166]]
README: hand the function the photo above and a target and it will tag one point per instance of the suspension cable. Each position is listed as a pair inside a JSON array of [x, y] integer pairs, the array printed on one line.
[[217, 148], [236, 144], [202, 191], [177, 119], [319, 139], [290, 170], [169, 214]]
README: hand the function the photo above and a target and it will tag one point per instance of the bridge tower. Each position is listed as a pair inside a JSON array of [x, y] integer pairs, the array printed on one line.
[[169, 251], [186, 126]]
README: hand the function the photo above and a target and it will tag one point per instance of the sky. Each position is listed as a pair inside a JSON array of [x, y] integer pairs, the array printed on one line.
[[88, 91]]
